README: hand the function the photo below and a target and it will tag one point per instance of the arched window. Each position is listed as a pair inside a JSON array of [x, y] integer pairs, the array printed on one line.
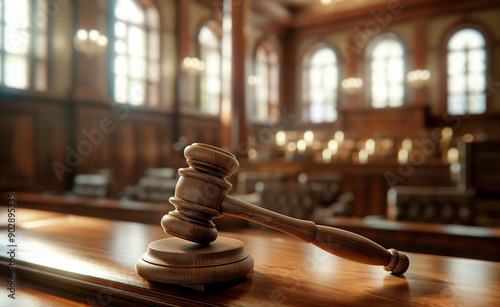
[[136, 53], [466, 72], [210, 78], [386, 69], [321, 84], [23, 44], [266, 83]]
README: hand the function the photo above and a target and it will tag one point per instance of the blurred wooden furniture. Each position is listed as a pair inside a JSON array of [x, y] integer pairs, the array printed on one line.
[[291, 198], [481, 171], [327, 184], [96, 185], [248, 180], [71, 260], [157, 184], [475, 200], [368, 183], [431, 204], [115, 209], [481, 167]]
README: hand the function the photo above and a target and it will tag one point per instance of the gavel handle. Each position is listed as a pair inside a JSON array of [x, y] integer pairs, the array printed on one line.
[[336, 241]]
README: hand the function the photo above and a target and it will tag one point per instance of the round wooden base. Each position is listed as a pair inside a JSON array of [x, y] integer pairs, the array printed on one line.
[[177, 261]]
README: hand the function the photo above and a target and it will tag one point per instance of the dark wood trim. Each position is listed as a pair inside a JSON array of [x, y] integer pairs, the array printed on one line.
[[273, 11], [328, 23], [420, 55]]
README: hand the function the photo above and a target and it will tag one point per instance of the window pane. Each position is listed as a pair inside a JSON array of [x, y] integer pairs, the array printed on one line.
[[137, 68], [17, 13], [16, 40], [16, 71], [476, 82], [322, 73], [121, 66], [129, 10], [210, 80], [387, 74], [121, 91], [476, 60], [457, 104], [120, 47], [137, 93], [396, 70], [456, 62], [466, 72], [136, 42], [457, 84], [466, 39], [120, 29], [477, 103]]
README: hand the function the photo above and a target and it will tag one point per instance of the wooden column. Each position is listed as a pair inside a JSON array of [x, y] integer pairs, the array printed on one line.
[[352, 72], [233, 115], [421, 57], [87, 68], [183, 38], [289, 67]]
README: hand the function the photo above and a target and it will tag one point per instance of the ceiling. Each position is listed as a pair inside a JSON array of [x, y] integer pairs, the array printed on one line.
[[315, 7]]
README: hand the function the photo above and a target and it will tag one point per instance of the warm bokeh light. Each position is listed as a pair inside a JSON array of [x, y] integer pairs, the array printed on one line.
[[333, 145], [309, 137], [403, 156], [339, 136], [301, 146], [453, 155], [281, 138]]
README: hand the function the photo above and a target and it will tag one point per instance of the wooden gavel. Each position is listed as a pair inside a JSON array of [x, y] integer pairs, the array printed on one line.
[[200, 196]]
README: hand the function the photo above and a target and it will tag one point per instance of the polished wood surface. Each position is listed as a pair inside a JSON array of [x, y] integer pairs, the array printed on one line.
[[200, 195], [93, 259], [177, 261]]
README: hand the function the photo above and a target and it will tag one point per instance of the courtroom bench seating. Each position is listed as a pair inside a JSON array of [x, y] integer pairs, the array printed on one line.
[[447, 205], [157, 185]]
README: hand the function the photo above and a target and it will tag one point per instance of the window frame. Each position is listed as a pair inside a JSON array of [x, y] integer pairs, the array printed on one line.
[[305, 103], [444, 64], [273, 66], [33, 72], [216, 28], [152, 81], [368, 70]]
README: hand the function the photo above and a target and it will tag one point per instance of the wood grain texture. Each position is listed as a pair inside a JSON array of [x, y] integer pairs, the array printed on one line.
[[94, 259], [177, 261]]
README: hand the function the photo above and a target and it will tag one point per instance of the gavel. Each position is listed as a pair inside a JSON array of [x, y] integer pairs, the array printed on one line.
[[200, 196]]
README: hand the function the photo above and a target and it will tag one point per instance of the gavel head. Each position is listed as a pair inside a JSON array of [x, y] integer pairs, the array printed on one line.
[[199, 193]]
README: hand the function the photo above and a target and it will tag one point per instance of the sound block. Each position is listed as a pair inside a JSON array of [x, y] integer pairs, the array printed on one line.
[[177, 261]]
